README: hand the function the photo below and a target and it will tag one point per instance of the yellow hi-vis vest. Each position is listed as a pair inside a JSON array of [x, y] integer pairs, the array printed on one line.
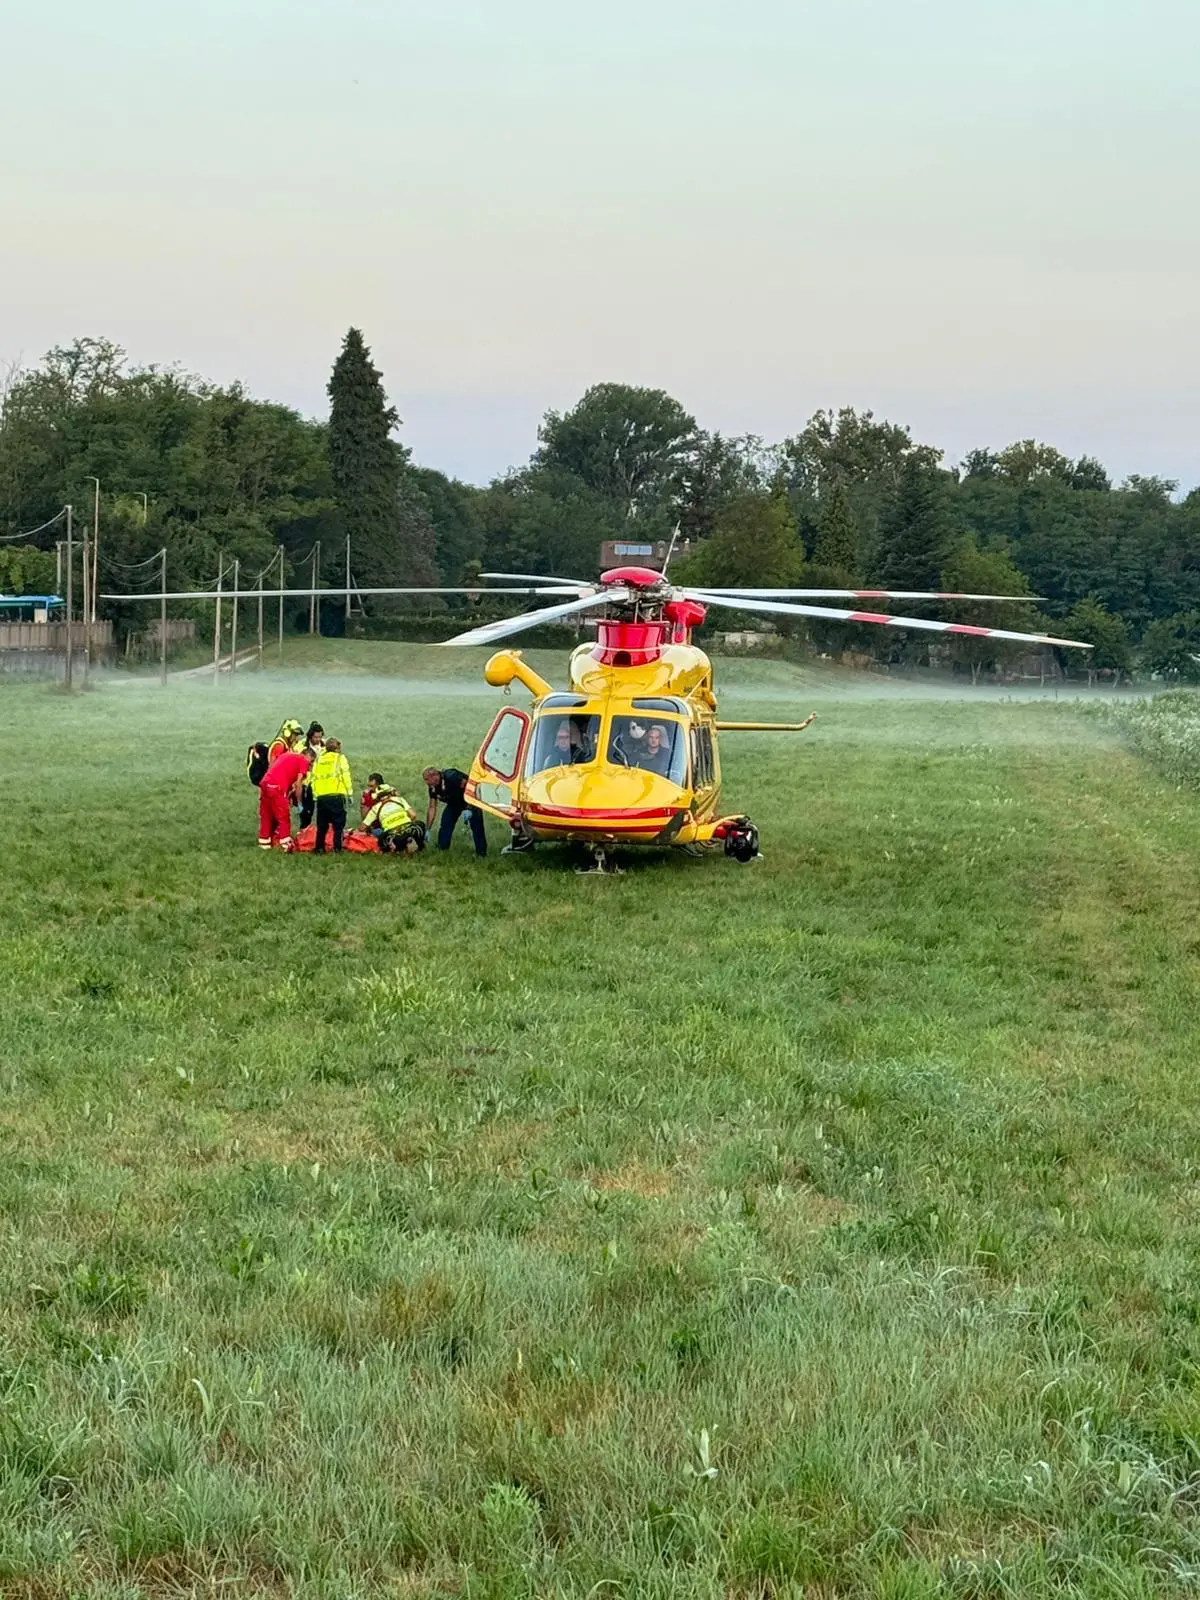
[[389, 813], [331, 775]]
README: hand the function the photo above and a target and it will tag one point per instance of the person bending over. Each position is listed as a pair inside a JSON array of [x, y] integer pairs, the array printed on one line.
[[448, 786], [281, 784], [394, 824]]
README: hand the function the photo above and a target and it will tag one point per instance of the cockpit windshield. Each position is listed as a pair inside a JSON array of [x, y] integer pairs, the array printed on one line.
[[562, 741], [658, 747]]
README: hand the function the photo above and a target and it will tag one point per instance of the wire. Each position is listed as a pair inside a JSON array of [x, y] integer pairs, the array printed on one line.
[[11, 538], [131, 566]]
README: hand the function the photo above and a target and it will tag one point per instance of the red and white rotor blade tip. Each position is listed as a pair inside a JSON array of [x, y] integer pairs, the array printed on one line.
[[829, 614], [488, 632], [864, 594]]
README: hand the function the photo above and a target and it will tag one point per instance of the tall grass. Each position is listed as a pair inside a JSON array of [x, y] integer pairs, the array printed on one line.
[[826, 1227]]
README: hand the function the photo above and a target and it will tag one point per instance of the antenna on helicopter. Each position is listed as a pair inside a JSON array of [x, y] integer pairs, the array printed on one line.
[[670, 550]]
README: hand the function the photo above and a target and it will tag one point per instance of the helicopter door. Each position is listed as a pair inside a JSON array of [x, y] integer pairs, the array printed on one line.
[[494, 770]]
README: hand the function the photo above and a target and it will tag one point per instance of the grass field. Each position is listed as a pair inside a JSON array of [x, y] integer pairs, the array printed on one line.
[[827, 1227]]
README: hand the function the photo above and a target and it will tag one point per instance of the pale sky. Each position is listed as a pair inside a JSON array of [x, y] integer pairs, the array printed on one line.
[[977, 217]]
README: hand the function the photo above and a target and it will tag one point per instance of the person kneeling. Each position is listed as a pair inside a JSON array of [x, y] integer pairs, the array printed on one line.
[[393, 823], [331, 787]]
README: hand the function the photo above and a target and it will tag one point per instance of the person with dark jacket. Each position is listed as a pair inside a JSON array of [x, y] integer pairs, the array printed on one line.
[[448, 786]]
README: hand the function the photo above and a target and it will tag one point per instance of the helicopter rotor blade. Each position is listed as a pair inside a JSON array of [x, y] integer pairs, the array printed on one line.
[[303, 594], [538, 577], [866, 594], [490, 631], [708, 597]]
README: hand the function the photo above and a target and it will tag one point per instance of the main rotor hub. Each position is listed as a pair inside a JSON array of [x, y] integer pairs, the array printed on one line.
[[633, 578]]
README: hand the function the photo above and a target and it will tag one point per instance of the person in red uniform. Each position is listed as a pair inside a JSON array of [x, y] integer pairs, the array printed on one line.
[[281, 785]]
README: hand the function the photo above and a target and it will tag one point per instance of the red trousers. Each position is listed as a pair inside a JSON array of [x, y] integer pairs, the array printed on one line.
[[274, 814]]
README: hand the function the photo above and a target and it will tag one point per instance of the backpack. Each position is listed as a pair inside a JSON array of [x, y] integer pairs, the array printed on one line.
[[257, 763]]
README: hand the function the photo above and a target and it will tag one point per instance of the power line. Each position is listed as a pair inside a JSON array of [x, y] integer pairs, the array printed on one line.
[[11, 538]]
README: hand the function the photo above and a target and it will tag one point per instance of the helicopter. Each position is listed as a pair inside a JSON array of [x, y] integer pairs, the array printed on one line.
[[627, 754]]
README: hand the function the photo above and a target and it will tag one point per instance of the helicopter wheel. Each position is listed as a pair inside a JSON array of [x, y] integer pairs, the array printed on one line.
[[600, 867]]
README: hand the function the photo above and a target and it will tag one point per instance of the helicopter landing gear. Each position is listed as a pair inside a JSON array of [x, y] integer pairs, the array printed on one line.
[[741, 840], [600, 867]]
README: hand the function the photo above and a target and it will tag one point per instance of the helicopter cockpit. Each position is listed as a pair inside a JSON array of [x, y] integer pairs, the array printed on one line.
[[567, 732]]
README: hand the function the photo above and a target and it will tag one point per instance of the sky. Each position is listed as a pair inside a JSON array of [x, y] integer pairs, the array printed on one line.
[[979, 218]]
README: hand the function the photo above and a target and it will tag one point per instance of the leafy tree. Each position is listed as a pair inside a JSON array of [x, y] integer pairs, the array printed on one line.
[[1088, 473], [24, 569], [365, 465], [971, 570], [720, 470], [458, 531], [1020, 463], [630, 445], [1093, 623], [1170, 647], [755, 543], [546, 520]]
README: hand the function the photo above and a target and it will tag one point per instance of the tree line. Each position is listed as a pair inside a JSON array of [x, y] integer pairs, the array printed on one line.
[[849, 501]]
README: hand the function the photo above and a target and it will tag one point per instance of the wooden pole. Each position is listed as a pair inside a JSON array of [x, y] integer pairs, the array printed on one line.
[[217, 624], [70, 599], [281, 585], [162, 621], [86, 608], [314, 616], [347, 583], [261, 576]]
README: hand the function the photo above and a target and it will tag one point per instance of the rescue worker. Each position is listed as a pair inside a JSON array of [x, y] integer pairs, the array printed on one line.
[[283, 740], [448, 785], [394, 824], [314, 744], [374, 784], [280, 786], [331, 787]]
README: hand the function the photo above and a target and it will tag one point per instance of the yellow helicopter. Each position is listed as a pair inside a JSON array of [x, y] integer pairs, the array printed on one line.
[[627, 754]]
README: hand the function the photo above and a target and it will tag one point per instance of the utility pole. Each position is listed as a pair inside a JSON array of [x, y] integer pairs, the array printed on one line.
[[314, 616], [70, 599], [217, 625], [58, 566], [233, 634], [261, 576], [86, 611], [95, 543], [162, 620], [281, 586], [347, 583]]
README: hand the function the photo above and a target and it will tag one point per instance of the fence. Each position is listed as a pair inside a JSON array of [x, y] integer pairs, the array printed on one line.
[[52, 636]]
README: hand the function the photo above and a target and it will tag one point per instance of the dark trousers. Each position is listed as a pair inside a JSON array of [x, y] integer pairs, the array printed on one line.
[[331, 813], [307, 805], [450, 816]]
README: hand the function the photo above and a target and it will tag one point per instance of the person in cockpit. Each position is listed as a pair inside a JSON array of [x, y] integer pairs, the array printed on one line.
[[656, 756]]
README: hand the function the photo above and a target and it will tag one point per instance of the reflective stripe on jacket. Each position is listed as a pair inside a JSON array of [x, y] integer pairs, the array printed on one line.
[[389, 814], [331, 775]]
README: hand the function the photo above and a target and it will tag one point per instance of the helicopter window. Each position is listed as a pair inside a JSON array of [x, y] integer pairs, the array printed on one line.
[[676, 708], [703, 773], [562, 741], [659, 747], [502, 751], [554, 702]]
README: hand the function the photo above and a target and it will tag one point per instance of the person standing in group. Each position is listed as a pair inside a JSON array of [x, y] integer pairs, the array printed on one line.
[[314, 744], [281, 784], [331, 787], [449, 786], [283, 740]]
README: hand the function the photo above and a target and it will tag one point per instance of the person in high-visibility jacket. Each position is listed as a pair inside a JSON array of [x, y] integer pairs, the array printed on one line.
[[331, 786], [284, 740], [394, 823]]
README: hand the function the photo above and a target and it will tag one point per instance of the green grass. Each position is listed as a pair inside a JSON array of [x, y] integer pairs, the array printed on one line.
[[827, 1227]]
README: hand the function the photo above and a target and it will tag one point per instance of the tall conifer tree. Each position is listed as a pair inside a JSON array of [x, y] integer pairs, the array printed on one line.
[[836, 550], [916, 538], [365, 464]]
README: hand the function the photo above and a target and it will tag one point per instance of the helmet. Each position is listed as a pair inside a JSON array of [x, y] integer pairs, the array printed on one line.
[[290, 729]]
